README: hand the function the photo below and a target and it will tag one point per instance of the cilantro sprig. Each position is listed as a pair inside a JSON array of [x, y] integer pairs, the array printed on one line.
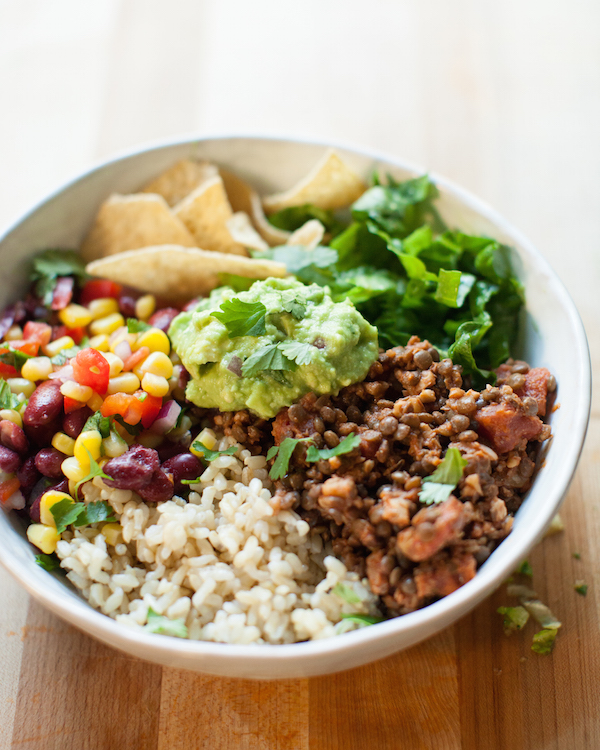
[[95, 471], [438, 486], [8, 400], [283, 452], [14, 358], [67, 513], [165, 626], [137, 326], [362, 620], [51, 264], [48, 562], [242, 318]]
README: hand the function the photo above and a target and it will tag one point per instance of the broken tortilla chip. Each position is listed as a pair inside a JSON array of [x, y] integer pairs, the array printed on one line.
[[128, 222], [180, 179], [329, 185], [309, 235], [205, 212], [178, 273], [241, 229]]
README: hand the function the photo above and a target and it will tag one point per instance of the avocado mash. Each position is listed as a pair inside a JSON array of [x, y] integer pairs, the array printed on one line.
[[265, 348]]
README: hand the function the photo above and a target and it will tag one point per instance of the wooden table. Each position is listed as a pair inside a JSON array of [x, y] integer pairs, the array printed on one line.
[[501, 97]]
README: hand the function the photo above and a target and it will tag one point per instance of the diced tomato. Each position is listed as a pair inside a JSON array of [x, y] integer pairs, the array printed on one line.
[[8, 371], [505, 427], [8, 488], [63, 292], [91, 368], [151, 405], [135, 358], [27, 347], [77, 334], [40, 332], [99, 288], [129, 407], [71, 404], [58, 332]]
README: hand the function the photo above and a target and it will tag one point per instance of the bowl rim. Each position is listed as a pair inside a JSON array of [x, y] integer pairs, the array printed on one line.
[[81, 614]]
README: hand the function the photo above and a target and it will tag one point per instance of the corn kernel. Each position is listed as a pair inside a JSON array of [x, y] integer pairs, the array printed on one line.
[[54, 347], [88, 442], [49, 499], [207, 438], [130, 338], [125, 383], [73, 390], [12, 415], [103, 307], [63, 443], [75, 316], [21, 385], [115, 363], [72, 487], [37, 368], [112, 533], [107, 324], [145, 306], [95, 402], [43, 537], [155, 385], [114, 445], [157, 363], [155, 339], [73, 470], [100, 342], [14, 333], [149, 439]]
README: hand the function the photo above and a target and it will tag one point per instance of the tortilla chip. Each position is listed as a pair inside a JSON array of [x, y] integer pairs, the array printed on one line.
[[177, 273], [309, 235], [243, 198], [127, 222], [180, 179], [205, 212], [329, 185], [241, 229]]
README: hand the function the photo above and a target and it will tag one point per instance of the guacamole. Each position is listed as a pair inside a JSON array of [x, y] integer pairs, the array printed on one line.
[[271, 345]]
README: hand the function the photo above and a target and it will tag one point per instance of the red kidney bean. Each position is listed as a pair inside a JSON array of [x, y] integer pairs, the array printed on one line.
[[49, 461], [162, 318], [183, 466], [42, 435], [13, 437], [37, 493], [127, 306], [168, 449], [45, 404], [28, 475], [133, 470], [73, 423], [9, 460], [159, 489]]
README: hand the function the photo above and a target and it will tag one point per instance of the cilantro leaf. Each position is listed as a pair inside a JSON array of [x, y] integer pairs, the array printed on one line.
[[165, 626], [95, 512], [349, 443], [581, 588], [48, 562], [284, 452], [438, 486], [295, 307], [346, 593], [525, 569], [15, 358], [362, 620], [95, 471], [65, 355], [576, 556], [301, 354], [543, 641], [8, 400], [137, 326], [208, 455], [515, 618], [242, 318], [132, 429], [98, 422], [51, 264], [268, 357], [65, 513]]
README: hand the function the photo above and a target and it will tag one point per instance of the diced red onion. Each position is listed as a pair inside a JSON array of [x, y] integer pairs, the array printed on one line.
[[123, 350], [65, 373], [15, 502], [167, 417]]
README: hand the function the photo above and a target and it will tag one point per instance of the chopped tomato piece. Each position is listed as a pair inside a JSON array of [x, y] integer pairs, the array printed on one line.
[[505, 427], [77, 334], [135, 358], [151, 405], [536, 386], [8, 371], [91, 368], [58, 332], [99, 288], [71, 404], [39, 332], [8, 488], [27, 347], [129, 407], [63, 292]]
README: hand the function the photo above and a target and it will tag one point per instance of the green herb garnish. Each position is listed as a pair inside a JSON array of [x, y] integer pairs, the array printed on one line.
[[362, 620], [208, 455], [49, 265], [525, 569], [242, 318], [282, 454], [576, 556], [349, 443], [268, 357], [8, 400], [543, 641], [346, 593], [48, 562], [14, 358], [137, 326], [165, 626], [301, 354], [67, 512], [581, 587], [98, 422], [438, 486], [95, 471], [515, 618]]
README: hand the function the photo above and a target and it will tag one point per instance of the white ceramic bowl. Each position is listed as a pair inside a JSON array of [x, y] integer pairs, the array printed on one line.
[[553, 337]]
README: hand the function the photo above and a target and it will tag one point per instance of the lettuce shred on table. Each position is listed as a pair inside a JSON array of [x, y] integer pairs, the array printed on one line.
[[408, 274]]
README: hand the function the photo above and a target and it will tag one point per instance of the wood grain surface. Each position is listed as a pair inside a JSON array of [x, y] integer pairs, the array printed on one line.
[[504, 98]]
